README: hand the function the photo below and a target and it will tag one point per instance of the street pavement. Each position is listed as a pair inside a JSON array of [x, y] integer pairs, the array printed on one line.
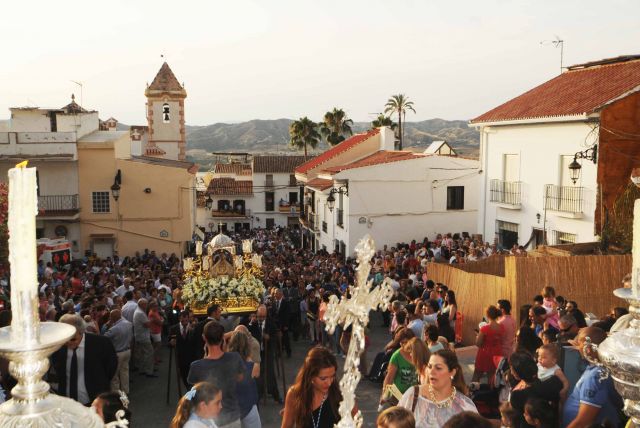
[[149, 396]]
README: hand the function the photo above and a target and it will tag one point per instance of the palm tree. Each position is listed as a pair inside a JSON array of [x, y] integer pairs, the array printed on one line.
[[303, 133], [335, 126], [383, 120], [399, 104]]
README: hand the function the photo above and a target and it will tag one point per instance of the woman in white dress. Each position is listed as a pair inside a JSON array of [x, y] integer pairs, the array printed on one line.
[[442, 395]]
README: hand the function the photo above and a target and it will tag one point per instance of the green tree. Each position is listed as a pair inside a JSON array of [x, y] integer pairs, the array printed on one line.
[[399, 104], [335, 126], [304, 133], [383, 120]]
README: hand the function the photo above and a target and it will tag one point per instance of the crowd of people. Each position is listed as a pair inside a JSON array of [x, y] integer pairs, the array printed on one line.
[[124, 310]]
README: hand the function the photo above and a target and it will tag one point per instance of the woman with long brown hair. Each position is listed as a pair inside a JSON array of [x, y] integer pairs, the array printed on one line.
[[198, 407], [313, 400]]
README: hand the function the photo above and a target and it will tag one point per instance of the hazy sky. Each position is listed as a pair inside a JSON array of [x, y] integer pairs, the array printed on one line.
[[268, 59]]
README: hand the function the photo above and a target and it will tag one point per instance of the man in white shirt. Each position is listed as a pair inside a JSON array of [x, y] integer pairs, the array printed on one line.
[[143, 351], [130, 306], [126, 286]]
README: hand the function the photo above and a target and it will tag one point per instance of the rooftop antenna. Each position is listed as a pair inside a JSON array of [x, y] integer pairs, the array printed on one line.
[[79, 84], [555, 43]]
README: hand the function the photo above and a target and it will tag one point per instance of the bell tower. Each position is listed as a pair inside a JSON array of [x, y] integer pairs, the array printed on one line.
[[165, 116]]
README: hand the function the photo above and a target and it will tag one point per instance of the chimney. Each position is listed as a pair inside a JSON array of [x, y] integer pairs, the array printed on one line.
[[387, 138]]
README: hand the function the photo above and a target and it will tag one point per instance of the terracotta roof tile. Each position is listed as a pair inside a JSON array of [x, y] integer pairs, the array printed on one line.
[[576, 91], [233, 168], [336, 150], [320, 183], [165, 80], [229, 186], [277, 164], [378, 158]]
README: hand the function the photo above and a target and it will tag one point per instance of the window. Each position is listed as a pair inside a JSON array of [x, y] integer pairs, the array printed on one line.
[[564, 238], [507, 234], [293, 198], [292, 180], [270, 223], [224, 205], [455, 197], [166, 117], [269, 197], [269, 180], [100, 202], [511, 171]]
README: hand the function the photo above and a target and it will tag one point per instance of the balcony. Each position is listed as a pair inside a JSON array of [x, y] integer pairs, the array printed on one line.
[[310, 221], [231, 213], [340, 220], [58, 206], [505, 193], [565, 200], [288, 208]]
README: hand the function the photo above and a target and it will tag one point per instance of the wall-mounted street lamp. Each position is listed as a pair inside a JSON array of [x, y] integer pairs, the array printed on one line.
[[574, 167], [115, 187], [331, 200], [208, 202]]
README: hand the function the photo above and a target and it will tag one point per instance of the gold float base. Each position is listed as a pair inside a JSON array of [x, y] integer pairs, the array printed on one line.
[[232, 305]]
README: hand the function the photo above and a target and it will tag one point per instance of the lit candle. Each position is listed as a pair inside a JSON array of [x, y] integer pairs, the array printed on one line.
[[23, 208], [635, 251], [246, 246], [199, 248]]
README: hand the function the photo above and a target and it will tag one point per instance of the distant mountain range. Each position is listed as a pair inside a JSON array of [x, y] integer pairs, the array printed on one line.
[[272, 136]]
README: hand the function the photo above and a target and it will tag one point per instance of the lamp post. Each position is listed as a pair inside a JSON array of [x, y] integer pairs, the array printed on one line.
[[115, 187], [575, 167], [331, 200]]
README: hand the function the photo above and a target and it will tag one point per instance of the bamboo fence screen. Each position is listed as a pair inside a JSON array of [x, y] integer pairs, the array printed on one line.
[[589, 280]]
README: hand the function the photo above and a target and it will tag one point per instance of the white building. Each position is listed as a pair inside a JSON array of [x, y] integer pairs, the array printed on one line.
[[261, 193], [528, 143], [277, 195], [395, 196], [48, 139]]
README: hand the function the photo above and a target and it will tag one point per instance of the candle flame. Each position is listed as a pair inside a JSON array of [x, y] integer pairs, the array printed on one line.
[[22, 164]]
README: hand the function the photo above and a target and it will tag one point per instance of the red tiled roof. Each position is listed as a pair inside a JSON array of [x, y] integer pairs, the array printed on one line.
[[233, 168], [229, 186], [165, 80], [380, 157], [320, 183], [576, 91], [273, 164], [336, 150]]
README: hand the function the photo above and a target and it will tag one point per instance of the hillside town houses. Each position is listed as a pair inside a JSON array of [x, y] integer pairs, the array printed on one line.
[[101, 188], [553, 164], [558, 157], [249, 191], [363, 185]]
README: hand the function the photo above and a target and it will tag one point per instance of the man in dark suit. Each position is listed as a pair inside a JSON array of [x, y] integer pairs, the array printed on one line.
[[85, 365], [265, 330], [214, 313], [282, 313], [181, 338]]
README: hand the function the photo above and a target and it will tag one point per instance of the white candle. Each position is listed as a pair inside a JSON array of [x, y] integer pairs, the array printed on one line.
[[635, 270], [23, 208], [246, 246], [198, 248]]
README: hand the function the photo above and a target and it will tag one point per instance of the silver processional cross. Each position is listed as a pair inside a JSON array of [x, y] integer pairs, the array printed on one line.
[[354, 312]]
